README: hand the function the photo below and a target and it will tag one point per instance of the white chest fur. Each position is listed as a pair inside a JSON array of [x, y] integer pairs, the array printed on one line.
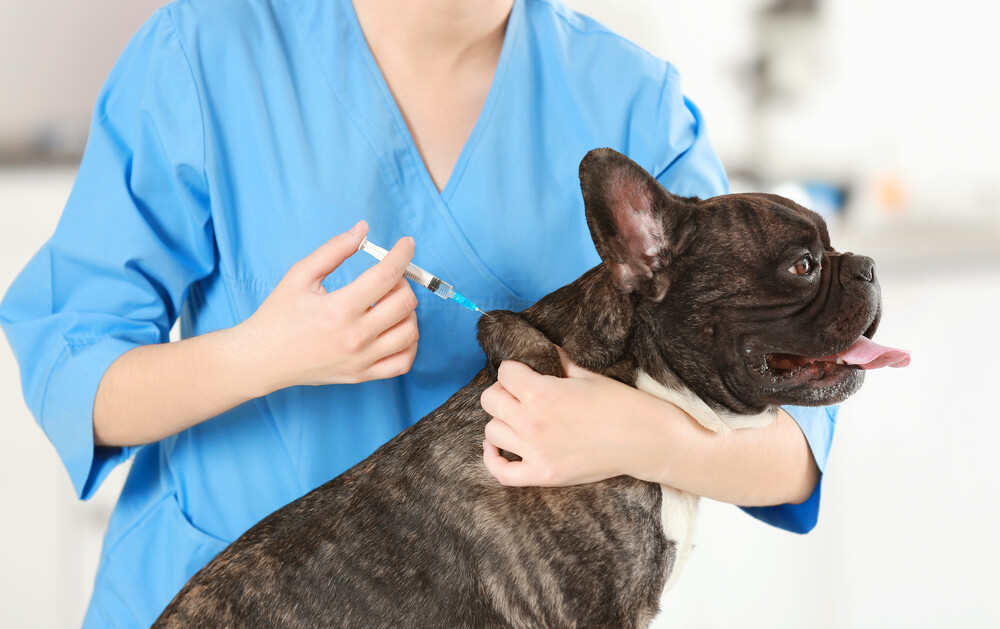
[[685, 399], [678, 514], [679, 508]]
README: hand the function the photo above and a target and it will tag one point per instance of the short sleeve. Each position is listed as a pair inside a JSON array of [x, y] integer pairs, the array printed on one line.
[[689, 167], [135, 234], [817, 424]]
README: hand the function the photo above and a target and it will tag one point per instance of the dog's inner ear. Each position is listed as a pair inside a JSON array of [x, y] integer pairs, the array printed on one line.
[[627, 214]]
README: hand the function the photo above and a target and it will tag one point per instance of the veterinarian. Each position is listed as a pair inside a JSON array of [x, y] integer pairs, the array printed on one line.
[[240, 151]]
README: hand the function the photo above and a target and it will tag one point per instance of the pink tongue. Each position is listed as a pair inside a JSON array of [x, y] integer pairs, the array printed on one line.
[[868, 354]]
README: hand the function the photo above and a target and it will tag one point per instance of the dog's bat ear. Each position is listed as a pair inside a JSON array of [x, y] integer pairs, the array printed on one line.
[[634, 221]]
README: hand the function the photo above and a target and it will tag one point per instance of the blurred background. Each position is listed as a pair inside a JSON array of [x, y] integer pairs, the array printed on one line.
[[881, 114]]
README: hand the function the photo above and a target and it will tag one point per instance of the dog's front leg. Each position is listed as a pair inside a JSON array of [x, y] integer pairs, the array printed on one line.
[[506, 335]]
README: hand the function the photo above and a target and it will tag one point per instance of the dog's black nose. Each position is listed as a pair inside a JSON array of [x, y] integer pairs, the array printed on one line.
[[855, 267]]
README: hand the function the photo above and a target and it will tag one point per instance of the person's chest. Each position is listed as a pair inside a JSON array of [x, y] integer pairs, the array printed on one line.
[[304, 138]]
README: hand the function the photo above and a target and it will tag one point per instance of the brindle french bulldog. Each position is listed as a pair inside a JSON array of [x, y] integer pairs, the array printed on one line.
[[728, 307]]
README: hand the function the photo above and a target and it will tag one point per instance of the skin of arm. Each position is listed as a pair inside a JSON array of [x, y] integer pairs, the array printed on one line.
[[587, 427], [301, 334]]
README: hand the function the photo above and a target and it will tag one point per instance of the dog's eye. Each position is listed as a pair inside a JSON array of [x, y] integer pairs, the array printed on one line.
[[805, 266]]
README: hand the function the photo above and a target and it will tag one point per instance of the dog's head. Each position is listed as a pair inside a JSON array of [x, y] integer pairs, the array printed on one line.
[[749, 303]]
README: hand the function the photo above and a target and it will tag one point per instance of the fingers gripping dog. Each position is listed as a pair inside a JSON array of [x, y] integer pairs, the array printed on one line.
[[727, 306]]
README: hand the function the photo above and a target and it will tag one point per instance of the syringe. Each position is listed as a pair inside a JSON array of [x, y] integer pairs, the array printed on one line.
[[436, 285]]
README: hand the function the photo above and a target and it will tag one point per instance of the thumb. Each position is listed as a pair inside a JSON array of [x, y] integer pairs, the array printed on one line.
[[314, 268]]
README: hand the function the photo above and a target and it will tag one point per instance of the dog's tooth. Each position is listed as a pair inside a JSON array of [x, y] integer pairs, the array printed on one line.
[[840, 361]]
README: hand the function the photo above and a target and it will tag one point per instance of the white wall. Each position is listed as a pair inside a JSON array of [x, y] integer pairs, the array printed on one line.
[[888, 87], [49, 541], [56, 54]]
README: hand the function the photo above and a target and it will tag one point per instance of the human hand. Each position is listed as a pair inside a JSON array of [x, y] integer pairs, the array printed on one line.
[[579, 429], [303, 335], [587, 427]]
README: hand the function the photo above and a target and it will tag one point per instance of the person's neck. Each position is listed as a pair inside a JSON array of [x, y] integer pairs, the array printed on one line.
[[429, 34]]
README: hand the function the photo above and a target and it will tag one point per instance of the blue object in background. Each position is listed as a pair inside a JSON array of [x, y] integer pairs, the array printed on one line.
[[827, 198]]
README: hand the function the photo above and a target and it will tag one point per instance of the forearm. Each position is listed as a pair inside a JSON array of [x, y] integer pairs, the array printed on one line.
[[749, 467], [588, 427], [154, 391], [300, 335]]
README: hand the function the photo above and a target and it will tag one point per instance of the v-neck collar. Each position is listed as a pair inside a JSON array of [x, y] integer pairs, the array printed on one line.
[[482, 120], [331, 29]]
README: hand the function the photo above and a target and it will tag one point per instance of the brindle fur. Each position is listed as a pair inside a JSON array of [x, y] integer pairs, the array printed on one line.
[[420, 534]]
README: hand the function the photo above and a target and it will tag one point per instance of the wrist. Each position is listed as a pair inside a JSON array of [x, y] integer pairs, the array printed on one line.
[[250, 362], [658, 440]]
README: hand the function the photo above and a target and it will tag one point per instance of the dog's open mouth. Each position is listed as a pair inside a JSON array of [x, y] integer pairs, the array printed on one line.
[[862, 354]]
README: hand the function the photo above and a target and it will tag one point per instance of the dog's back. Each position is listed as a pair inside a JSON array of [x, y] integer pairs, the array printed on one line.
[[419, 534]]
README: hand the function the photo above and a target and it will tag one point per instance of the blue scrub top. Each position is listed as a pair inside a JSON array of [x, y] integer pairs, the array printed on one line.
[[231, 139]]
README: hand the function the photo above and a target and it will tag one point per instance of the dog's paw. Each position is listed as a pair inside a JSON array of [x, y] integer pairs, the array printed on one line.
[[505, 335]]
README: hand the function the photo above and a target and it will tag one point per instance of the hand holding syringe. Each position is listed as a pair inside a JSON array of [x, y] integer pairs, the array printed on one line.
[[442, 289]]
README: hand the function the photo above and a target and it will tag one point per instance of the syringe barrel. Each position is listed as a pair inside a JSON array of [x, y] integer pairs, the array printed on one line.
[[431, 282], [443, 289], [434, 284]]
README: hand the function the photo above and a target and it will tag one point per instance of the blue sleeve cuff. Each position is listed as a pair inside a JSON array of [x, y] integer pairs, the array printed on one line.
[[817, 424], [67, 414], [800, 518]]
